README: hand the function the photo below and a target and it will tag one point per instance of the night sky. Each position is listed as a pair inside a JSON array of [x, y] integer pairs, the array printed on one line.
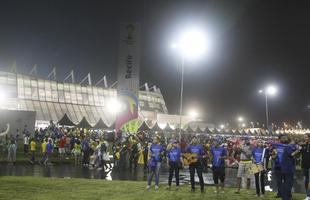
[[253, 43]]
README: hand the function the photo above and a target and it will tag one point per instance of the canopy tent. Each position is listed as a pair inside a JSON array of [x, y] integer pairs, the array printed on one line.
[[189, 129], [207, 130], [236, 132], [84, 123], [168, 128], [66, 121], [198, 130], [100, 125], [156, 128], [215, 131], [144, 127]]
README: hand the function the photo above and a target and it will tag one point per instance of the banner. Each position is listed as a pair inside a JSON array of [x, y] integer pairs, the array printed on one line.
[[128, 78]]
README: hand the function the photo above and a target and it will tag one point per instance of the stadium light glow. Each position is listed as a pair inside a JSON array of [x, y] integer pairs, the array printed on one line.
[[115, 106], [192, 43], [222, 126], [240, 119], [271, 90], [193, 113]]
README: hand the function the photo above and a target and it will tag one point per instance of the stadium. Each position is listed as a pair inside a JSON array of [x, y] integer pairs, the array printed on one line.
[[51, 99]]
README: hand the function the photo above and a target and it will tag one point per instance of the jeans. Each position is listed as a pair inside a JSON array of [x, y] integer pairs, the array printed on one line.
[[156, 173], [32, 156], [198, 167], [173, 167], [279, 179], [307, 183], [260, 182], [287, 185]]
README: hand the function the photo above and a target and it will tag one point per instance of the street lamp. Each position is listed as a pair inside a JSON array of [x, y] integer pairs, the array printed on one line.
[[191, 44], [240, 120], [270, 90]]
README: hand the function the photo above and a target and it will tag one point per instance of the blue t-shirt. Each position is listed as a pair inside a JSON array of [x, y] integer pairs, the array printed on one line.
[[174, 154], [280, 150], [156, 150], [258, 156], [218, 152], [49, 148], [288, 161], [195, 149]]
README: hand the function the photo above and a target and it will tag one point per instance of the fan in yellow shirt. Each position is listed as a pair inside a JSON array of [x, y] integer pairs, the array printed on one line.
[[33, 146]]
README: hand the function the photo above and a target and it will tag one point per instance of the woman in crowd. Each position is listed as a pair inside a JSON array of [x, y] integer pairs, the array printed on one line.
[[258, 156], [155, 153]]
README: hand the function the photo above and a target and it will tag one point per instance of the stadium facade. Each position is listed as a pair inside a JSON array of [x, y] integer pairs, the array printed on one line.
[[51, 99]]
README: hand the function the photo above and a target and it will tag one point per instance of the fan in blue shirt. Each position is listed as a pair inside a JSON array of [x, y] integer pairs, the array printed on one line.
[[218, 154], [156, 152]]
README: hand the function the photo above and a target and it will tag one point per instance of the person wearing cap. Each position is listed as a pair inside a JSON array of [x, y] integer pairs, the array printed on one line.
[[155, 154], [197, 151], [219, 155], [175, 162], [258, 156]]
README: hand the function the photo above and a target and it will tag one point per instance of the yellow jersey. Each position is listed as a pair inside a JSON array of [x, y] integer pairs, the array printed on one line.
[[33, 145], [43, 147]]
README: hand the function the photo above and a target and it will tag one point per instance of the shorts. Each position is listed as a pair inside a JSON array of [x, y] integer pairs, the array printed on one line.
[[218, 173], [243, 170], [62, 150], [77, 153]]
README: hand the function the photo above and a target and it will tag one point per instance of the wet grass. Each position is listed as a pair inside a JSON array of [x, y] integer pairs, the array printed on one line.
[[27, 188]]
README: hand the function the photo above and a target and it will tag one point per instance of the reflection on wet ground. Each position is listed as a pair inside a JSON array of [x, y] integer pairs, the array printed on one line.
[[70, 171]]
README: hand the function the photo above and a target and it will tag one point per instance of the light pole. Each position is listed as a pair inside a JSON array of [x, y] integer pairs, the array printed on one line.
[[269, 90], [181, 95], [191, 44]]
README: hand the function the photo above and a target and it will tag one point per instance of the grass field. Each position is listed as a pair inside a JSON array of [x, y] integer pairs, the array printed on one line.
[[25, 188]]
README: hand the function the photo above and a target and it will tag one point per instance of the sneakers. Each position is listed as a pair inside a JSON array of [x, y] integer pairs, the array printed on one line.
[[307, 198], [192, 190], [178, 188], [168, 188], [202, 191], [148, 187]]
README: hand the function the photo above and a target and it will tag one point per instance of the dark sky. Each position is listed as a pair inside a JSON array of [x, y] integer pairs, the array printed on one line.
[[254, 43]]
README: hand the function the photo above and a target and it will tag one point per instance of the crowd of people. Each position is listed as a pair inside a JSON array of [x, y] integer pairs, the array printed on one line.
[[250, 155], [253, 156]]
